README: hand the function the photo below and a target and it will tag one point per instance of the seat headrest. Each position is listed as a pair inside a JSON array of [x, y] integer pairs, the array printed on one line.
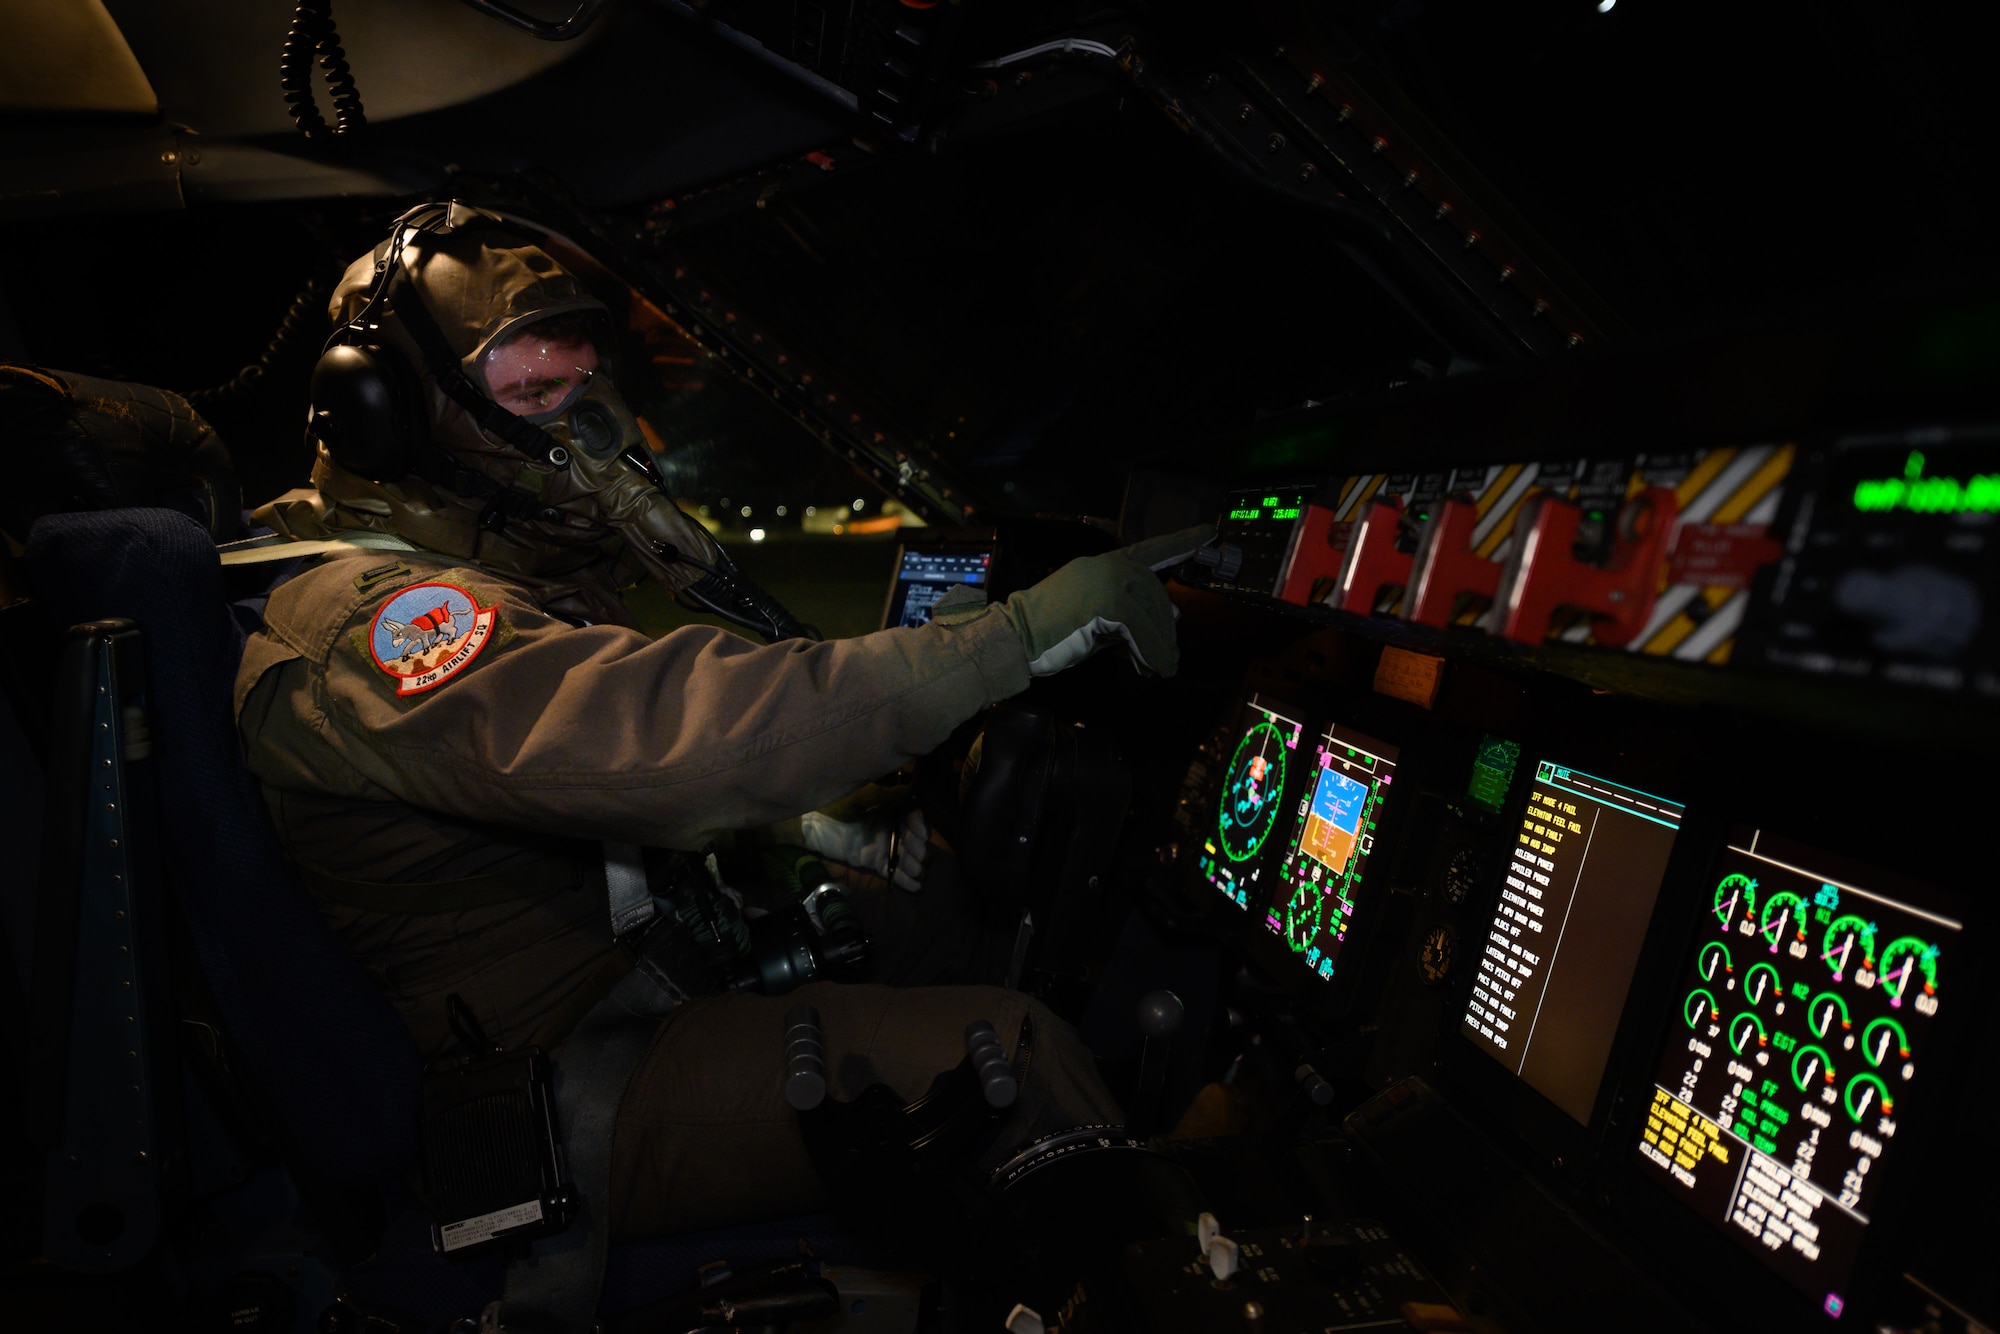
[[75, 442]]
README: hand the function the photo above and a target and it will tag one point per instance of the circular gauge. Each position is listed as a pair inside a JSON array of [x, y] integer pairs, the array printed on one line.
[[1762, 983], [1735, 891], [1699, 1008], [1252, 791], [1884, 1040], [1909, 961], [1827, 1012], [1850, 944], [1811, 1067], [1783, 912], [1461, 875], [1867, 1093], [1746, 1030], [1305, 911], [1713, 961], [1439, 951]]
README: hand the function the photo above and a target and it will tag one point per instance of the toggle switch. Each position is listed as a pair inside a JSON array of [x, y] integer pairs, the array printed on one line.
[[1544, 574], [1372, 563], [1446, 565]]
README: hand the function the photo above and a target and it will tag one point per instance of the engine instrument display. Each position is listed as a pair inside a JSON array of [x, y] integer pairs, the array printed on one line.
[[1320, 877], [1261, 766], [1559, 955], [1803, 1019]]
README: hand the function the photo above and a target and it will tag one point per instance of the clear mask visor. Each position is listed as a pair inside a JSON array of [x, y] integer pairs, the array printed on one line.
[[541, 371]]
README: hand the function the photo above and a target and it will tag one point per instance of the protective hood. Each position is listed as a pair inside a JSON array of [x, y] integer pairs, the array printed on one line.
[[583, 526]]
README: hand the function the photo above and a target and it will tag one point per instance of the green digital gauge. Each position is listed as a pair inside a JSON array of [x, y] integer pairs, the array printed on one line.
[[1850, 944], [1303, 915], [1827, 1009], [1811, 1064], [1714, 959], [1742, 1029], [1762, 983], [1700, 1008], [1883, 1041], [1909, 960], [1867, 1093], [1252, 792], [1735, 891], [1783, 911]]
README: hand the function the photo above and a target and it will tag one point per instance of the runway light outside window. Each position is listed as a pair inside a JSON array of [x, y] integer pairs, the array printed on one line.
[[756, 534], [781, 511], [860, 505]]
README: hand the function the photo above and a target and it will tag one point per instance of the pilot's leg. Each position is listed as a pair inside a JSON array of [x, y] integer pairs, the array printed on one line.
[[705, 1138]]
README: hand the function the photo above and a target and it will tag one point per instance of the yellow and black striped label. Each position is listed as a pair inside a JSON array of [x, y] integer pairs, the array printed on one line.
[[1737, 489]]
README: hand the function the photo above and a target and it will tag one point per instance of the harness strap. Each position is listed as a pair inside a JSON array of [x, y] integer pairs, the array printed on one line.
[[262, 550], [555, 1288]]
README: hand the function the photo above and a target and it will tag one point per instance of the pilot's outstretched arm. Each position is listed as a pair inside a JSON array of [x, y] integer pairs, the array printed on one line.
[[599, 732]]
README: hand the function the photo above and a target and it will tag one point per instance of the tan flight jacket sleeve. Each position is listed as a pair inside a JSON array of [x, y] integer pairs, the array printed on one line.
[[598, 731]]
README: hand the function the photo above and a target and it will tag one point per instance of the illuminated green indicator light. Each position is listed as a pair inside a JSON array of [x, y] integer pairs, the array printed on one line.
[[1271, 500], [1917, 494], [1285, 513], [1246, 514], [1493, 772]]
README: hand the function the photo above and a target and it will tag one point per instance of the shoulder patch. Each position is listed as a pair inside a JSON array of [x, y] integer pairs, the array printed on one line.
[[428, 633]]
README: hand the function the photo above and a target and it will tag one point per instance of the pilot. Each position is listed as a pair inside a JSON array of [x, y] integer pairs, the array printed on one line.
[[452, 719]]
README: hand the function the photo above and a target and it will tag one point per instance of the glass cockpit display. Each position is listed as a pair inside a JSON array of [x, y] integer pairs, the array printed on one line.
[[1261, 768], [1804, 1018], [1313, 905], [1558, 957], [924, 577]]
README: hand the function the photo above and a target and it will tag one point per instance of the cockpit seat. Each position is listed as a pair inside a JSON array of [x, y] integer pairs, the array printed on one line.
[[315, 1045]]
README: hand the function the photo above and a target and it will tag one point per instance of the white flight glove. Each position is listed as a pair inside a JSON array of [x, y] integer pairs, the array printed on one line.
[[1097, 601], [870, 845]]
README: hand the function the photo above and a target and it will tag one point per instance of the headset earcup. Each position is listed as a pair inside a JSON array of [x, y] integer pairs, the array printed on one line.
[[369, 410]]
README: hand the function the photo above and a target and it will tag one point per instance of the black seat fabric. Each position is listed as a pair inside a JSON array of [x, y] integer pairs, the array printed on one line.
[[319, 1040]]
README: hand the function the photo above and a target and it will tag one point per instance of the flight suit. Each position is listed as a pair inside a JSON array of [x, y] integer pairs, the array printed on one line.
[[424, 731]]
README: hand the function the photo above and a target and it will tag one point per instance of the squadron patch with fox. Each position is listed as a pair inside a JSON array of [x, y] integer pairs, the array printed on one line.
[[428, 633]]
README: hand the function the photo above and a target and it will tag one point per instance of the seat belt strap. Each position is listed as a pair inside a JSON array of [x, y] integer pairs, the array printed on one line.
[[555, 1288], [628, 896], [276, 547]]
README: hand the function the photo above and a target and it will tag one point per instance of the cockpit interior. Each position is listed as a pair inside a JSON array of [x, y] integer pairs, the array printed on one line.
[[1589, 410]]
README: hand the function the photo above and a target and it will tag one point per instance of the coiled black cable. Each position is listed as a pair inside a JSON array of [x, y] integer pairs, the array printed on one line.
[[297, 318], [313, 33]]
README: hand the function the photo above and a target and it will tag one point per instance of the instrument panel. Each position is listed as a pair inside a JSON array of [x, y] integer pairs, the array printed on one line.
[[1547, 901]]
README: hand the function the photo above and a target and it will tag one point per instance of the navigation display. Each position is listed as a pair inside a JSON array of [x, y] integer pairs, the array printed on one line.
[[1262, 771], [1805, 1014], [923, 577], [1334, 833], [1559, 955]]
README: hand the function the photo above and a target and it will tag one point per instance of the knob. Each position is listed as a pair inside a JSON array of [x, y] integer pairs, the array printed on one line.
[[805, 1059], [1225, 558], [989, 1064], [1160, 1013]]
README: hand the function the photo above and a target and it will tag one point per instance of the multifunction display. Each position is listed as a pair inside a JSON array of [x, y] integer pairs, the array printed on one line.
[[1262, 768], [1805, 1014], [1558, 958], [1332, 837], [926, 576]]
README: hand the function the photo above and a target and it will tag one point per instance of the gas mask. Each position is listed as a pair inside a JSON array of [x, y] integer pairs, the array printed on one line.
[[465, 403]]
